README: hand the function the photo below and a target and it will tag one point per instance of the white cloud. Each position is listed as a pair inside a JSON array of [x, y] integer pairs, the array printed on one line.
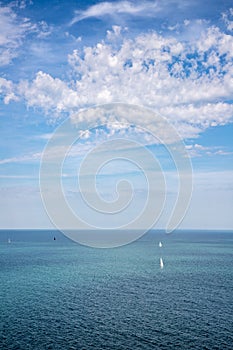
[[45, 137], [190, 83], [48, 93], [17, 177], [146, 8], [7, 90], [228, 19], [21, 159], [21, 4], [14, 30], [197, 150], [43, 30], [191, 119]]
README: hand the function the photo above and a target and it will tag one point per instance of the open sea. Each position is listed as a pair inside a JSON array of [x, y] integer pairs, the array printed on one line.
[[61, 295]]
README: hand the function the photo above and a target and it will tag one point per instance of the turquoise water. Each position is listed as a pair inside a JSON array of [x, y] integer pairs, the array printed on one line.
[[60, 295]]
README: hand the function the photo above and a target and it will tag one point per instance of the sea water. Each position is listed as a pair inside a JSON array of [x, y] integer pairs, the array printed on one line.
[[57, 294]]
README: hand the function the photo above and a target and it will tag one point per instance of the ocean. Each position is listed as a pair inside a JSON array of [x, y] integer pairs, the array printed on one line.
[[57, 294]]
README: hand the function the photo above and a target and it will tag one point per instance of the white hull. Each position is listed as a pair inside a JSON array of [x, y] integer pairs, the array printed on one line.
[[161, 263]]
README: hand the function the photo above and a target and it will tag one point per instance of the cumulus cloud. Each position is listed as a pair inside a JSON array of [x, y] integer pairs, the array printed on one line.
[[7, 90], [188, 82], [48, 93]]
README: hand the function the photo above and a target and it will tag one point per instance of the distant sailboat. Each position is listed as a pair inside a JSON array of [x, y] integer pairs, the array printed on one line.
[[54, 238], [160, 245], [161, 263], [9, 240]]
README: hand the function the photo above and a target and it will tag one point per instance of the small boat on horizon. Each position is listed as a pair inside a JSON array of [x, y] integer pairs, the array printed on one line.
[[161, 263], [9, 241], [160, 245]]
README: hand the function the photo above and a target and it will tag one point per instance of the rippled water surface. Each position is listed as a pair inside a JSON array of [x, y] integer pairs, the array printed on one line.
[[60, 295]]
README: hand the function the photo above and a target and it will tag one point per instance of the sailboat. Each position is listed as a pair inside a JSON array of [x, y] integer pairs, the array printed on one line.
[[9, 240], [161, 263], [160, 245]]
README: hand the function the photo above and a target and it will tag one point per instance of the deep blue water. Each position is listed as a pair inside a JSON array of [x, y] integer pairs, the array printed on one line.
[[60, 295]]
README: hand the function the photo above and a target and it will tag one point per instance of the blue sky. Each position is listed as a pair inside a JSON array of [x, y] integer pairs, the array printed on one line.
[[174, 57]]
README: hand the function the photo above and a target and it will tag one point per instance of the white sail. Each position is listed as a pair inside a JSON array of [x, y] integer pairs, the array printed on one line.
[[161, 263], [160, 245]]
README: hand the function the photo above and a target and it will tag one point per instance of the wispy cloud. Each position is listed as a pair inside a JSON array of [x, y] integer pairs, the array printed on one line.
[[14, 177], [22, 159], [146, 8], [14, 30], [45, 137], [197, 150]]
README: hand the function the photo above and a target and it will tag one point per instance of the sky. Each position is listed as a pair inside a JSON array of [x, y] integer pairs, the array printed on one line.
[[58, 59]]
